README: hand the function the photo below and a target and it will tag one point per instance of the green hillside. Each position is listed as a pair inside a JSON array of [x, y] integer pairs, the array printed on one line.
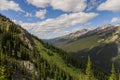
[[25, 57], [80, 44]]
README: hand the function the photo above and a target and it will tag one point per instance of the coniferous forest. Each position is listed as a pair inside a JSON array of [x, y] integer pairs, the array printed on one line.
[[25, 57]]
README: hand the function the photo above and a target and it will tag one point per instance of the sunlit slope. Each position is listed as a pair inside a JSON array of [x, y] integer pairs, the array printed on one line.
[[81, 44], [25, 57]]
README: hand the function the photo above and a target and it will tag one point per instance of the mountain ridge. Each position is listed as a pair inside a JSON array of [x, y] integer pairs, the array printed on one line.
[[25, 57], [98, 43]]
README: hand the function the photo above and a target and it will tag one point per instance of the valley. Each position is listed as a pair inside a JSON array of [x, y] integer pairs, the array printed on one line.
[[25, 57], [59, 39], [102, 44]]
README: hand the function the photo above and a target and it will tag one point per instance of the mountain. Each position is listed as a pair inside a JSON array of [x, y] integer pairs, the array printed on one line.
[[66, 38], [76, 34], [25, 57], [102, 44]]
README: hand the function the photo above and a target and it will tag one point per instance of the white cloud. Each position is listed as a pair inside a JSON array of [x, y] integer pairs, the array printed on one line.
[[69, 5], [28, 14], [39, 3], [59, 23], [64, 5], [9, 5], [115, 20], [88, 23], [110, 5], [41, 14], [62, 32]]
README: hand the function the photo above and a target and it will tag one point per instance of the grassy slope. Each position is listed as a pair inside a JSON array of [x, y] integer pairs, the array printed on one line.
[[56, 59], [80, 44]]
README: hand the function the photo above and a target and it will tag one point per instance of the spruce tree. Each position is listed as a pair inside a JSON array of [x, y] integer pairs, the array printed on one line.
[[89, 73], [113, 73], [2, 75], [119, 76]]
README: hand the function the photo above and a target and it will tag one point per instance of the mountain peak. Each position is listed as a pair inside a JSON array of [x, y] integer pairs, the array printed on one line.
[[76, 34]]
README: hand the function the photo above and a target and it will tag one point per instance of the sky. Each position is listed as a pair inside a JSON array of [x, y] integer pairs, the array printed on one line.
[[48, 19]]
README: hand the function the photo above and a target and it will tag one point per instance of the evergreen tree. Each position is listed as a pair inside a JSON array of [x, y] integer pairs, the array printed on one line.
[[119, 76], [2, 75], [113, 73], [33, 75], [89, 73]]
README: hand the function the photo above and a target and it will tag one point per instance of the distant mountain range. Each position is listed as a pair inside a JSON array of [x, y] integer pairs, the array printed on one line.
[[76, 34], [102, 44]]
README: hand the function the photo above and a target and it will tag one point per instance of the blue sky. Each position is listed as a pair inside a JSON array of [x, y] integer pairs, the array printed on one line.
[[52, 18]]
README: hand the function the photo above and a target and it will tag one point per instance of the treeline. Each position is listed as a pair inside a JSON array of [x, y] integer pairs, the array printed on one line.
[[76, 61]]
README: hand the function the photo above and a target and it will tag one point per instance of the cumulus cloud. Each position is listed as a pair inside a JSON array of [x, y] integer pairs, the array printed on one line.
[[9, 5], [64, 5], [58, 31], [64, 21], [59, 23], [41, 14], [115, 20], [69, 5], [39, 3], [110, 5], [28, 14]]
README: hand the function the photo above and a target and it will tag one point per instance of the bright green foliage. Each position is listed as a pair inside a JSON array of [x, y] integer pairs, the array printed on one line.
[[119, 76], [113, 73], [89, 72], [80, 44], [2, 73]]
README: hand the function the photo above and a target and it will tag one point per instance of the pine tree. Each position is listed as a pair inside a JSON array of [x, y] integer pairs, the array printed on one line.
[[0, 56], [2, 75], [89, 73], [119, 76], [113, 73], [33, 75]]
